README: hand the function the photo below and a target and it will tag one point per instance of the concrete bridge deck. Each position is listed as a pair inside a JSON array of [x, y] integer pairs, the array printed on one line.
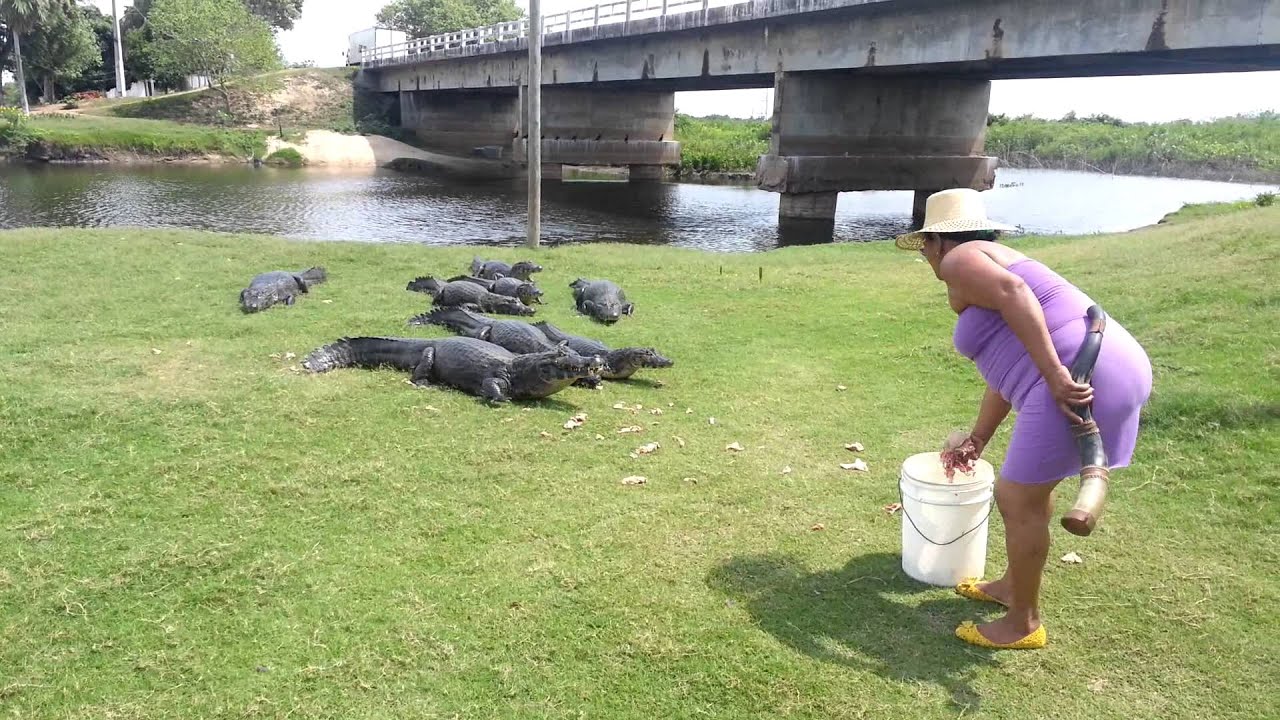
[[741, 45]]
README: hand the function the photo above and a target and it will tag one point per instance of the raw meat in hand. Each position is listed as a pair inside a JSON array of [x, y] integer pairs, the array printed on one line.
[[959, 455]]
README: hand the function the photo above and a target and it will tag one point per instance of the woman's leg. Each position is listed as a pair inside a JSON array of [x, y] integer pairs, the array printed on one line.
[[1027, 510]]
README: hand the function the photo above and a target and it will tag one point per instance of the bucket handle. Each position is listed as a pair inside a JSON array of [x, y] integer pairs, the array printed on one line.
[[927, 539]]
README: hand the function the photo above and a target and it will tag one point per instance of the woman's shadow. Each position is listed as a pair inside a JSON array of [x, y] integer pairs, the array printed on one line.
[[860, 615]]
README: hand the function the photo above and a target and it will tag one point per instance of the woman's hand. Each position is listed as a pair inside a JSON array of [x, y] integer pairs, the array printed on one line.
[[961, 452], [1067, 392], [970, 444]]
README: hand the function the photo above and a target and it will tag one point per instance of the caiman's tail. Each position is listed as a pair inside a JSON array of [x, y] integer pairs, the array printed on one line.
[[366, 352], [457, 319], [313, 276], [552, 332]]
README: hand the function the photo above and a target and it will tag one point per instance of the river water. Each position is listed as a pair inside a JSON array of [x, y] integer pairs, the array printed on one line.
[[386, 206]]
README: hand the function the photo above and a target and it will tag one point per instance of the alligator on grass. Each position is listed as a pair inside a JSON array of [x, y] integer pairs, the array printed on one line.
[[494, 269], [467, 364], [523, 290], [278, 286], [601, 300], [619, 364], [468, 295], [516, 336]]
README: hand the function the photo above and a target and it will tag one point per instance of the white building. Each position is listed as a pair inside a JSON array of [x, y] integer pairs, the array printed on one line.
[[374, 37]]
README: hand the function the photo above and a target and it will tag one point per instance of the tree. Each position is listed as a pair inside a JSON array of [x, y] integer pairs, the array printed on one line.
[[420, 18], [100, 24], [62, 47], [20, 17], [277, 13], [135, 16], [217, 38]]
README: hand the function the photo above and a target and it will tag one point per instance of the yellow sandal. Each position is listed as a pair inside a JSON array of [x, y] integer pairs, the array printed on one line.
[[969, 588], [968, 632]]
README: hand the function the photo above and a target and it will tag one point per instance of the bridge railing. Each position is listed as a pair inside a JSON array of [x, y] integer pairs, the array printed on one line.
[[605, 13]]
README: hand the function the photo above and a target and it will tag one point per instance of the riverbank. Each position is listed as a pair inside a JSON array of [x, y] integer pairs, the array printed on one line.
[[1239, 149], [715, 151], [56, 137], [197, 529], [73, 138]]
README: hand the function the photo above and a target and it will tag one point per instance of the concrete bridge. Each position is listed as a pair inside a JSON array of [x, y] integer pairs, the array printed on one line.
[[869, 94]]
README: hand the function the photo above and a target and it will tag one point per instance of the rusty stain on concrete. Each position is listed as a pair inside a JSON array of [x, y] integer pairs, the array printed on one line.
[[555, 76], [595, 71], [706, 63], [871, 56], [1157, 40], [997, 41]]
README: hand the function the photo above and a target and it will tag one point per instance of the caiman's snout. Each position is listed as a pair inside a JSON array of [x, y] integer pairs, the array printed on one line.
[[252, 302], [654, 360]]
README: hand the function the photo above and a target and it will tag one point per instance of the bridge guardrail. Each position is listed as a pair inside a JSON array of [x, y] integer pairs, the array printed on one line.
[[605, 13]]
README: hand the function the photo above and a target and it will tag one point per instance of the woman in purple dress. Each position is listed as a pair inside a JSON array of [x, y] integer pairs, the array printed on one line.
[[1022, 325]]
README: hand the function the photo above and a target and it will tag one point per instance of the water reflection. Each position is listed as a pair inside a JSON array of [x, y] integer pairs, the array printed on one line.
[[386, 206]]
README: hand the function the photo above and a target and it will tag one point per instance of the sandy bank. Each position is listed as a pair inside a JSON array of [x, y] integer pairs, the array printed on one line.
[[331, 149]]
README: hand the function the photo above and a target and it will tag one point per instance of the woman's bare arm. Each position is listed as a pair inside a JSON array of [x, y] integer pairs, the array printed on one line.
[[980, 280], [992, 412]]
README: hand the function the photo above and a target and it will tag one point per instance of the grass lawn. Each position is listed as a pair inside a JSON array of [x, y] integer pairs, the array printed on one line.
[[145, 137], [194, 529]]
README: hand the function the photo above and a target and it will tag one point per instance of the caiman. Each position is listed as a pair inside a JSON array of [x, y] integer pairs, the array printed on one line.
[[619, 364], [514, 335], [523, 290], [278, 286], [467, 364], [467, 295], [494, 269], [601, 300]]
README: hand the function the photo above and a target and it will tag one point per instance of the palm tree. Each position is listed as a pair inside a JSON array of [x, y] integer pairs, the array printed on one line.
[[21, 16]]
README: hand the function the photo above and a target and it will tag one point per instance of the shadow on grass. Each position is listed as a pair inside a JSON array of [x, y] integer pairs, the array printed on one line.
[[549, 403], [856, 616], [639, 382]]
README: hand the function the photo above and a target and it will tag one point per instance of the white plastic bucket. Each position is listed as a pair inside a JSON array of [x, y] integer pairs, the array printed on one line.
[[944, 523]]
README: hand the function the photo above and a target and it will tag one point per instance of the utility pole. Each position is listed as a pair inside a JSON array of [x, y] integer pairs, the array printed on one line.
[[115, 23], [533, 144]]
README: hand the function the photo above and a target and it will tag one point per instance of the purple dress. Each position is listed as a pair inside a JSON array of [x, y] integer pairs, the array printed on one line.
[[1042, 448]]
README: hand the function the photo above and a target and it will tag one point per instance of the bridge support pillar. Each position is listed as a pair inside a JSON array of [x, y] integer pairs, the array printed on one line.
[[917, 208], [808, 206], [645, 173], [841, 132], [591, 126], [457, 122]]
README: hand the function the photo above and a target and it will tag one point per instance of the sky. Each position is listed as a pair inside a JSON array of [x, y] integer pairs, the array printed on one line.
[[320, 36]]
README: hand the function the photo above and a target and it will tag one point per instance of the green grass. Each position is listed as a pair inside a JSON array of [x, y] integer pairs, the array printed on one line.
[[192, 528], [72, 135], [287, 157], [720, 144], [1242, 148]]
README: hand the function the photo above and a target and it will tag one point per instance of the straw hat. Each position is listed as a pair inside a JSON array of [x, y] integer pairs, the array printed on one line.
[[957, 210]]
